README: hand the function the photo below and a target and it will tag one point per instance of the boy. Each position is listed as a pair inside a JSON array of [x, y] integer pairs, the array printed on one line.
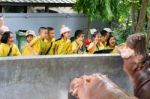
[[38, 45], [50, 41]]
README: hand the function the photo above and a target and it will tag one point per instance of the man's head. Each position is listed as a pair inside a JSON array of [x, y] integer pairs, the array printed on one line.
[[43, 32], [51, 32]]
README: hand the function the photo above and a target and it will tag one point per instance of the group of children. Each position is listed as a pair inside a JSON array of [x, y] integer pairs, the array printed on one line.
[[45, 43]]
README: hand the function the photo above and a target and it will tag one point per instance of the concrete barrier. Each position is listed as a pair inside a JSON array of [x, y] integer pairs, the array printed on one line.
[[48, 77]]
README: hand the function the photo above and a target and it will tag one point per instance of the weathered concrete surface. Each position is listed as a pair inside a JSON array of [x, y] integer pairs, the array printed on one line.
[[48, 77]]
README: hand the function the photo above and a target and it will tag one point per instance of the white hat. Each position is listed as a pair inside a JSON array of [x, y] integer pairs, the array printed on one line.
[[30, 32], [93, 31], [64, 29], [108, 30]]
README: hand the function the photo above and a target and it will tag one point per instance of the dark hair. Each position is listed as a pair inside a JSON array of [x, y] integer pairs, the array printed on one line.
[[78, 33], [5, 36], [50, 29], [108, 43], [72, 39], [95, 33], [103, 33], [42, 28]]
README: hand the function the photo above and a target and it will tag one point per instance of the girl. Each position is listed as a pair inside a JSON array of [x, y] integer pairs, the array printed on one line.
[[111, 44], [96, 44], [30, 35], [63, 45], [7, 46], [77, 44]]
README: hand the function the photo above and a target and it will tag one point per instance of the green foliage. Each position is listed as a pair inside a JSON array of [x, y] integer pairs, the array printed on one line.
[[121, 34], [95, 9]]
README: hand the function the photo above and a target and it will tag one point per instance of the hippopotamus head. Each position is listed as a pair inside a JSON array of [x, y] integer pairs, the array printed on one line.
[[97, 87]]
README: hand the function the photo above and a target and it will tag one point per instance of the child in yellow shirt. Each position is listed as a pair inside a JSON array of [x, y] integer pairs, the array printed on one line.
[[111, 44], [50, 41], [96, 44], [7, 46], [27, 51], [77, 44], [38, 45], [63, 45]]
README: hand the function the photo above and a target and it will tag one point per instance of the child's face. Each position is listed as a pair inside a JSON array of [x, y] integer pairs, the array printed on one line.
[[29, 38], [112, 41], [10, 39], [103, 39], [67, 34], [81, 37], [44, 34], [98, 37], [51, 34]]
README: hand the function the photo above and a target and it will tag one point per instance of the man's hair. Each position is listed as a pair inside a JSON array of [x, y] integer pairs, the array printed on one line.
[[50, 29], [42, 28]]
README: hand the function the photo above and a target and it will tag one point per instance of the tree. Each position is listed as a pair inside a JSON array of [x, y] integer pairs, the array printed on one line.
[[141, 16]]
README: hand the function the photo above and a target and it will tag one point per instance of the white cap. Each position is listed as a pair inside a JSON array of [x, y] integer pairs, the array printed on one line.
[[65, 29], [108, 30], [30, 32], [93, 31]]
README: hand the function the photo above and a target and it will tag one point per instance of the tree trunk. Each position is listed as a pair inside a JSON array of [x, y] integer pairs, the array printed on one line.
[[134, 16], [142, 16], [148, 30]]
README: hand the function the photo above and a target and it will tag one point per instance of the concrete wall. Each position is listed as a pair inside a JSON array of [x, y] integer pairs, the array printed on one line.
[[32, 21], [48, 77]]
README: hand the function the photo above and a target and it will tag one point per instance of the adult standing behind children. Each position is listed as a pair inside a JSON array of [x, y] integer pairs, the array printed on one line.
[[7, 46], [3, 27], [63, 45]]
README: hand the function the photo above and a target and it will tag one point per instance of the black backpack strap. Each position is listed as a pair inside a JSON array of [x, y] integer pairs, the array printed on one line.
[[49, 49], [10, 50]]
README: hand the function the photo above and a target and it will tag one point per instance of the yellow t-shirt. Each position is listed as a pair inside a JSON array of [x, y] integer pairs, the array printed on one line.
[[63, 47], [50, 46], [38, 45], [27, 51], [5, 48], [114, 50], [76, 47], [95, 47]]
